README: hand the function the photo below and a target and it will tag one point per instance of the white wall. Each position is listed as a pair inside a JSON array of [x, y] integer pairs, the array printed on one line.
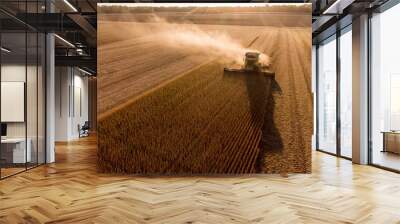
[[62, 82], [13, 100], [9, 73], [80, 110], [12, 73], [33, 127], [71, 102]]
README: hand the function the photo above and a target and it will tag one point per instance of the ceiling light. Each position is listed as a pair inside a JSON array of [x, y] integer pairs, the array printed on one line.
[[65, 41], [337, 7], [84, 71], [80, 51], [5, 50], [70, 5]]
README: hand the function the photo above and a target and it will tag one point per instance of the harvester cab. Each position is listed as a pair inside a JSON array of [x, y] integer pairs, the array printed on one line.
[[251, 65], [251, 61]]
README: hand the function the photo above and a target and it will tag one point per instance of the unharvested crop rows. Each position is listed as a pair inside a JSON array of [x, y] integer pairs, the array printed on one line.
[[199, 123]]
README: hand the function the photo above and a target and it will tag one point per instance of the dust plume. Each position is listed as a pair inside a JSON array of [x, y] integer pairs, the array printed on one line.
[[190, 38], [213, 43]]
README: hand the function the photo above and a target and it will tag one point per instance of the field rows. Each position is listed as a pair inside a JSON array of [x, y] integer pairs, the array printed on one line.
[[200, 123], [203, 121]]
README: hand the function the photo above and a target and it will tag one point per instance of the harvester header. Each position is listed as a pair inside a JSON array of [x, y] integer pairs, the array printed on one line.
[[251, 65]]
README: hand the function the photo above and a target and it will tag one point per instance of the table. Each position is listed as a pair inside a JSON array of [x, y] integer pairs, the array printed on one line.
[[391, 141], [13, 150]]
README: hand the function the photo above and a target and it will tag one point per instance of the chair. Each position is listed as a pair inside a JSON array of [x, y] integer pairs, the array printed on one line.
[[84, 130]]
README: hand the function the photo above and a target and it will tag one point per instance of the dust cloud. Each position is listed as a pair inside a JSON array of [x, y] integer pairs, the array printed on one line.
[[212, 43], [190, 38]]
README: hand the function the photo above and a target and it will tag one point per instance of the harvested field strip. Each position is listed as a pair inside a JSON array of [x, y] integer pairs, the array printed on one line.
[[133, 73], [140, 65], [139, 84], [294, 128], [304, 112], [141, 60], [305, 70], [151, 91], [202, 122], [121, 49]]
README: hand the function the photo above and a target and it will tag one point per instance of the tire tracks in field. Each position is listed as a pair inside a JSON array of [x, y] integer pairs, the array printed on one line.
[[286, 108], [304, 60], [274, 159], [270, 128], [298, 102]]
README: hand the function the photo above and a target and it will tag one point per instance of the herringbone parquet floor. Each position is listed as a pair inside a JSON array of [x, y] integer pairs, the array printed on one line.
[[71, 191]]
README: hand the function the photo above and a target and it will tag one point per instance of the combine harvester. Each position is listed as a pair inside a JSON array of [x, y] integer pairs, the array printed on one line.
[[259, 81], [251, 66]]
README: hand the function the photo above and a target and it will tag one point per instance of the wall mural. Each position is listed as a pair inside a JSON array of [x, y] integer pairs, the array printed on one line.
[[204, 88]]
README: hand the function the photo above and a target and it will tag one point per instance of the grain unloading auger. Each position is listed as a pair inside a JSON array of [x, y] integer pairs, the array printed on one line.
[[251, 65]]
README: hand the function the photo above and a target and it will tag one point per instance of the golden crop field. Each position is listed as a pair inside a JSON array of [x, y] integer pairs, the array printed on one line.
[[166, 107], [202, 122]]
